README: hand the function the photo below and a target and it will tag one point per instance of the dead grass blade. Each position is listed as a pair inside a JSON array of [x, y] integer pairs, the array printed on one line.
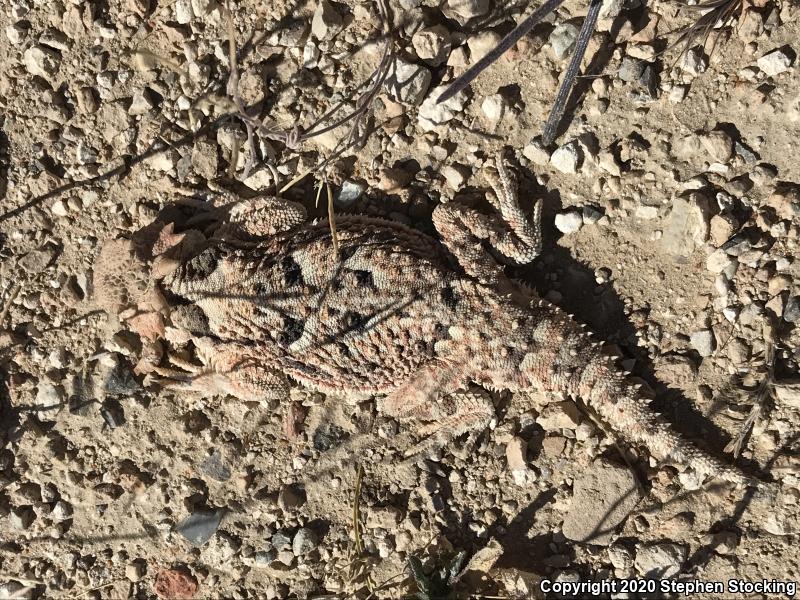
[[762, 393], [332, 222], [7, 306], [716, 12]]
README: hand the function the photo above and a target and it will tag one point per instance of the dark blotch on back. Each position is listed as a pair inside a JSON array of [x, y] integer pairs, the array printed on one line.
[[347, 252], [203, 265], [364, 279], [354, 321], [449, 297], [292, 273], [292, 330]]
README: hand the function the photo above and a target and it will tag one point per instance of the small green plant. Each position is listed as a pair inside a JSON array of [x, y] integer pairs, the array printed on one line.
[[438, 585]]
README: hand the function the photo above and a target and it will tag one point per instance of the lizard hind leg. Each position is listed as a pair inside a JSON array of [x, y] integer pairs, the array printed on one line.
[[468, 411]]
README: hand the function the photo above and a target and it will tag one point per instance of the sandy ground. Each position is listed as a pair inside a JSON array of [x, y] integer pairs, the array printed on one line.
[[672, 219]]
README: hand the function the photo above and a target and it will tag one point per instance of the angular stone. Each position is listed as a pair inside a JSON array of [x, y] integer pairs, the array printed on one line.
[[603, 497]]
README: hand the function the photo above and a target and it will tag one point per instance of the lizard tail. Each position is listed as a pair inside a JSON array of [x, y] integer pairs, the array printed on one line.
[[621, 404], [567, 360]]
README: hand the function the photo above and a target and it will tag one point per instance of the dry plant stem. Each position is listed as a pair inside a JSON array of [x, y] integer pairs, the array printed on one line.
[[233, 91], [297, 135], [332, 221], [763, 392], [11, 297], [505, 44], [719, 11], [357, 510], [560, 103], [322, 164]]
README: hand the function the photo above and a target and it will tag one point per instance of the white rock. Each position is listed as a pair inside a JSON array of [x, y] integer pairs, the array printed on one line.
[[677, 93], [326, 22], [183, 11], [569, 222], [455, 176], [311, 55], [15, 33], [59, 208], [203, 8], [85, 154], [349, 193], [61, 511], [687, 225], [516, 450], [480, 44], [563, 38], [431, 115], [610, 8], [775, 524], [407, 82], [567, 158], [644, 211], [775, 62], [141, 103], [718, 261], [694, 62], [41, 61], [432, 44], [494, 107], [48, 396], [259, 179], [559, 415], [788, 395], [703, 342]]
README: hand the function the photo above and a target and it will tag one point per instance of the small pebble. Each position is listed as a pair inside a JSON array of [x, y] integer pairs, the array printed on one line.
[[569, 222], [42, 61], [494, 107], [305, 540], [661, 560], [703, 342], [563, 39], [327, 22], [432, 45], [567, 158], [791, 313], [408, 83], [536, 153]]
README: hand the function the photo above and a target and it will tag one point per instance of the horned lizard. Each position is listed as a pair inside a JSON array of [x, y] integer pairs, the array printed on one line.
[[430, 325]]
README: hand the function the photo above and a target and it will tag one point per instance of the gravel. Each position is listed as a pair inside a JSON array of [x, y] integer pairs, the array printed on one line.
[[695, 199]]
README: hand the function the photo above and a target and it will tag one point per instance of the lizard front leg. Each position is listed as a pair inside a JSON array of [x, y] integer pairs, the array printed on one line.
[[512, 232], [225, 370]]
